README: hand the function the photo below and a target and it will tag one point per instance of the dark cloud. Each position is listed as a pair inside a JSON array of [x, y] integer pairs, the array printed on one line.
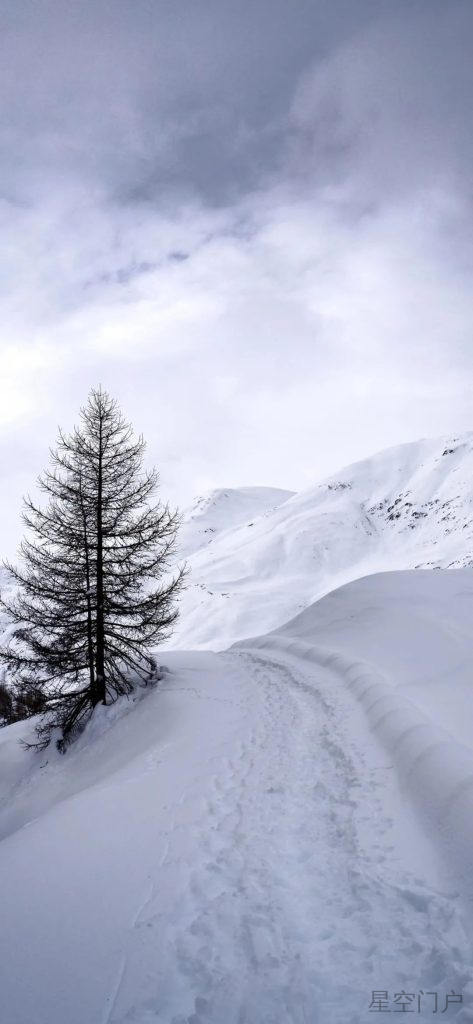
[[141, 97], [387, 112]]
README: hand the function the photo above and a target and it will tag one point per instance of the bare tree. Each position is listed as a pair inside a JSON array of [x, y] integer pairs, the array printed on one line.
[[94, 595]]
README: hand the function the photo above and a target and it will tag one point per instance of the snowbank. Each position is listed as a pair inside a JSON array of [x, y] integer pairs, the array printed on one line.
[[403, 643]]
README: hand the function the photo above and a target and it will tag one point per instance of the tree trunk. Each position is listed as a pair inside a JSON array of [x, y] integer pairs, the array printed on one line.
[[90, 642], [100, 632]]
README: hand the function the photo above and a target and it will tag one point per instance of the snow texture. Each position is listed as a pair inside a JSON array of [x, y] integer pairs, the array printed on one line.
[[273, 832], [236, 845], [408, 507]]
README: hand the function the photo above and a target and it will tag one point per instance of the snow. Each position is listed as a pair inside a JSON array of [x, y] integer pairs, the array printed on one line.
[[273, 831], [407, 507], [222, 510], [402, 642], [236, 844]]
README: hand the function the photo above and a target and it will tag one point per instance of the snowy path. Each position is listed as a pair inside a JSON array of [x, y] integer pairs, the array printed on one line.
[[291, 907], [273, 876]]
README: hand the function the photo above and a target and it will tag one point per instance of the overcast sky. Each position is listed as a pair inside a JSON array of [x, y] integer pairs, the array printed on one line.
[[250, 220]]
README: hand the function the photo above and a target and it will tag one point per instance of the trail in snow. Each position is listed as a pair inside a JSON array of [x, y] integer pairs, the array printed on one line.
[[295, 899], [234, 849]]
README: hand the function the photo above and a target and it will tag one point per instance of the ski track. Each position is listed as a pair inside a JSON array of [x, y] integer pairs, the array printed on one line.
[[285, 913]]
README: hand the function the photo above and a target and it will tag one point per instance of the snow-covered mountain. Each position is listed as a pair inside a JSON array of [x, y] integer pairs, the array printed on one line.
[[236, 844], [223, 510], [407, 507]]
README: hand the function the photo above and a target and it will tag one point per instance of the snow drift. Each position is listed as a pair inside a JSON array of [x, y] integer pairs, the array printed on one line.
[[403, 643]]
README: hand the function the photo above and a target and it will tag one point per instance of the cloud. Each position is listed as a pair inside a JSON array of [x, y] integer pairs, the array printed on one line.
[[386, 113], [255, 231]]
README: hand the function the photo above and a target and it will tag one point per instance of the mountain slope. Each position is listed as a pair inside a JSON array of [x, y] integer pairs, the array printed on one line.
[[407, 507], [235, 846], [223, 510]]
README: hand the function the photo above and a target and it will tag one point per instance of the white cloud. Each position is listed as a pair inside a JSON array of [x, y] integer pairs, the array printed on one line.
[[271, 337]]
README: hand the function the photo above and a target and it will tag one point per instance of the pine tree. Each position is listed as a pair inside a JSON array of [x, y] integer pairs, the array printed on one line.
[[6, 705], [94, 595]]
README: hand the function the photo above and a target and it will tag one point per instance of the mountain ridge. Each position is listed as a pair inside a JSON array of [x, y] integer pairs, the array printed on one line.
[[409, 506]]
